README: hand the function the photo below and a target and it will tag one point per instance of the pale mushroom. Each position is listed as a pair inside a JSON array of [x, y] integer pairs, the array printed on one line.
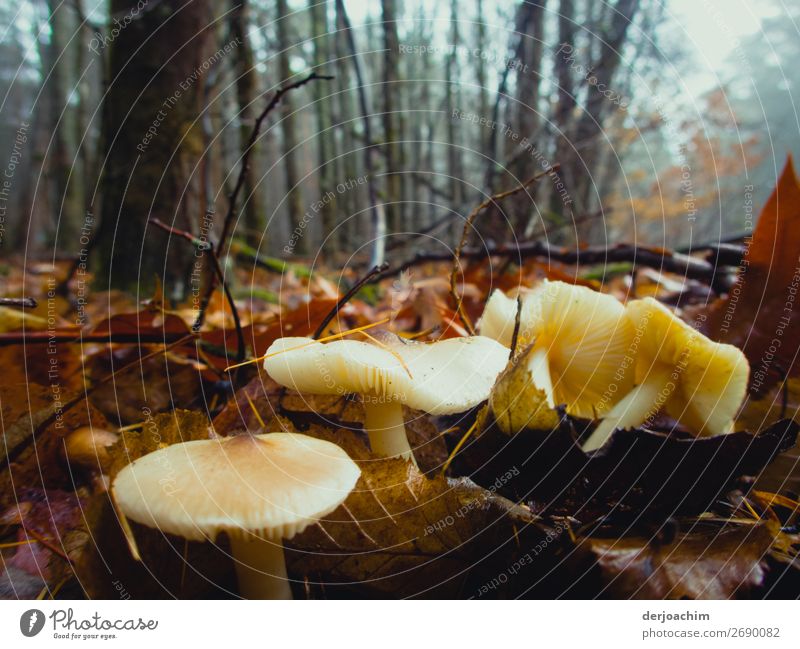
[[500, 315], [87, 448], [580, 341], [439, 378], [696, 381], [258, 489]]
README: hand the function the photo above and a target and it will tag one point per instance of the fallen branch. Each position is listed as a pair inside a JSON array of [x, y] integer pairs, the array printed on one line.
[[201, 245], [649, 257]]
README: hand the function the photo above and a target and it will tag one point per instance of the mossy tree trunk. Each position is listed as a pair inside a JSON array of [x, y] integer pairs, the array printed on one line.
[[159, 57]]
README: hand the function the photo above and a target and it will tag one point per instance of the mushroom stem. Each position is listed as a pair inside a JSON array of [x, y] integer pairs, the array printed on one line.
[[539, 367], [260, 569], [386, 429], [644, 400]]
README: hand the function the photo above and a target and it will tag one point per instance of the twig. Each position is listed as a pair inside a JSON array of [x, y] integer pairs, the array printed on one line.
[[515, 335], [355, 288], [465, 235], [658, 258], [22, 302], [43, 337], [230, 216], [202, 245]]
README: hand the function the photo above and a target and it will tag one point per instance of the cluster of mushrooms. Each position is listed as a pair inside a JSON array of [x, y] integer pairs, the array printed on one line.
[[600, 359]]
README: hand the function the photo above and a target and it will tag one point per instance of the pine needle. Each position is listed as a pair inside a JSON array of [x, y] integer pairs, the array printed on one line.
[[341, 334], [16, 544], [458, 446], [391, 351], [255, 412]]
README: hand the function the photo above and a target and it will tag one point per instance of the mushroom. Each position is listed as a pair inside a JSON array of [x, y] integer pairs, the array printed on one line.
[[580, 340], [696, 381], [87, 448], [259, 489], [500, 315], [86, 452], [443, 377]]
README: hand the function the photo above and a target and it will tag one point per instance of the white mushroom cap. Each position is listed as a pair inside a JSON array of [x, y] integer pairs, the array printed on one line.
[[442, 377], [710, 378], [500, 315], [272, 486]]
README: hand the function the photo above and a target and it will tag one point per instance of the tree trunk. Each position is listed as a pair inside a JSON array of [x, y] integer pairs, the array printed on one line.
[[326, 145], [588, 131], [294, 198], [345, 131], [151, 122], [565, 105], [455, 167], [393, 127], [378, 215], [246, 92], [527, 120], [64, 163]]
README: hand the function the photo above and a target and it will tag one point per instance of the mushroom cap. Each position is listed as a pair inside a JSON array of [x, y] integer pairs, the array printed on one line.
[[87, 447], [710, 378], [442, 377], [585, 335], [500, 315], [272, 486]]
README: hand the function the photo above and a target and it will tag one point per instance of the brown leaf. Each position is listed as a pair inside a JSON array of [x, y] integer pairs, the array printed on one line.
[[49, 526], [35, 419], [754, 315], [706, 562], [402, 534], [155, 384]]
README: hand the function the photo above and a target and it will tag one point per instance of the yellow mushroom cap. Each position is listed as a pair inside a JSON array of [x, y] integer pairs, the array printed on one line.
[[442, 377], [709, 378], [581, 335], [272, 486]]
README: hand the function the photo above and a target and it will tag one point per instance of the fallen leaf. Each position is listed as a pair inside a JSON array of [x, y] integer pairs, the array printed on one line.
[[705, 562], [401, 534], [757, 314]]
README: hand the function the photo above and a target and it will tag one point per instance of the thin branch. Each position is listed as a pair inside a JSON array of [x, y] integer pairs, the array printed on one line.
[[233, 199], [21, 302], [66, 337], [515, 335], [465, 235], [355, 288], [202, 245]]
